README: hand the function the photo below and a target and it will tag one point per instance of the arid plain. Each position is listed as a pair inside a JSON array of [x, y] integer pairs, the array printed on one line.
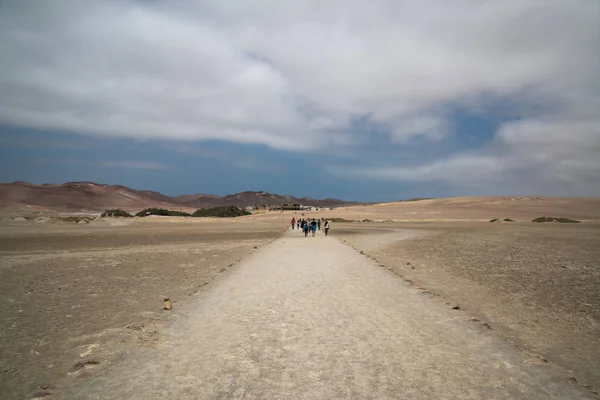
[[78, 298], [79, 293]]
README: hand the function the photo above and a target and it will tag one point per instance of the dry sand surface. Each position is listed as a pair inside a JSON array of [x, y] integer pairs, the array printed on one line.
[[73, 293], [476, 208], [310, 318], [305, 318], [537, 286]]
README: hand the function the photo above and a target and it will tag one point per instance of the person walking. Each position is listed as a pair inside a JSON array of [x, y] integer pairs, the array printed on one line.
[[293, 223], [319, 224], [326, 228], [305, 229], [313, 227]]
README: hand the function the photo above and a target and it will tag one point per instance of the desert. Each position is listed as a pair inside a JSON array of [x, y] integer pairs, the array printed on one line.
[[83, 296], [302, 200], [70, 288]]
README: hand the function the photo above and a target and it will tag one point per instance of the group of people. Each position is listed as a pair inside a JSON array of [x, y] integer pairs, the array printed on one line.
[[310, 225]]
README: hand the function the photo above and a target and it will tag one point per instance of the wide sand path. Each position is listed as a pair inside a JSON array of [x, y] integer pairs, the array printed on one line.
[[310, 318]]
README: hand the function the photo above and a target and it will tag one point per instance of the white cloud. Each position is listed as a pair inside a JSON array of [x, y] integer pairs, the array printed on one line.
[[554, 157], [294, 75], [429, 126], [456, 169]]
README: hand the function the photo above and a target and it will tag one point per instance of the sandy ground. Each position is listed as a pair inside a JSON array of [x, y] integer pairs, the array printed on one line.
[[74, 292], [92, 293], [536, 286], [476, 209], [310, 318]]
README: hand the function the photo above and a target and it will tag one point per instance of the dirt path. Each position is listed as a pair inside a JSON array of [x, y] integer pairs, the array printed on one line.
[[310, 318]]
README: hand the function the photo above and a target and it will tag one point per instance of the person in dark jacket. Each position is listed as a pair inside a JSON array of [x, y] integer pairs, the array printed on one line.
[[313, 227]]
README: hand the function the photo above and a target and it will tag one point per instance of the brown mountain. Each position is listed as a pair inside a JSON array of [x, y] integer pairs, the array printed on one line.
[[90, 196], [76, 196], [196, 200], [248, 198]]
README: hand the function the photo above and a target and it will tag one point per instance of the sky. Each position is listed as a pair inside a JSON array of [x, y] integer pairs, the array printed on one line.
[[374, 100]]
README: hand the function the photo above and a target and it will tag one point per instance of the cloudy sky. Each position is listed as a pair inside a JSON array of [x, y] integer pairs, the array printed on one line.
[[366, 100]]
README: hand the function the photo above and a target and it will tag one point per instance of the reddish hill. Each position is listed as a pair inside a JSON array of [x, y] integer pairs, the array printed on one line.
[[75, 196], [90, 196]]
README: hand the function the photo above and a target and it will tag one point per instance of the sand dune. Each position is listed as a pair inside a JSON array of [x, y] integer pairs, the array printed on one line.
[[476, 208]]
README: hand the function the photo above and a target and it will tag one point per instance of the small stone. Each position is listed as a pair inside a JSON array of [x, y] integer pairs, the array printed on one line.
[[82, 365], [407, 263], [456, 307], [168, 304], [412, 267]]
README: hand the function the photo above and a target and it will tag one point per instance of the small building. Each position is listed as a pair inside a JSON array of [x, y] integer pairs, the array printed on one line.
[[291, 207]]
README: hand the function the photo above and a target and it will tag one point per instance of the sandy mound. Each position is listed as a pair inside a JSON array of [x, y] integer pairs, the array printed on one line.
[[474, 208]]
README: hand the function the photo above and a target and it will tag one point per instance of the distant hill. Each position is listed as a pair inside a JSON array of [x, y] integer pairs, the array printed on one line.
[[248, 198], [519, 208], [90, 196]]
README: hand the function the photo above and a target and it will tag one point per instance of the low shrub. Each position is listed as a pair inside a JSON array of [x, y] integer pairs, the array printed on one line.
[[221, 212], [117, 212], [494, 220], [339, 220], [508, 220], [163, 212], [555, 219]]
